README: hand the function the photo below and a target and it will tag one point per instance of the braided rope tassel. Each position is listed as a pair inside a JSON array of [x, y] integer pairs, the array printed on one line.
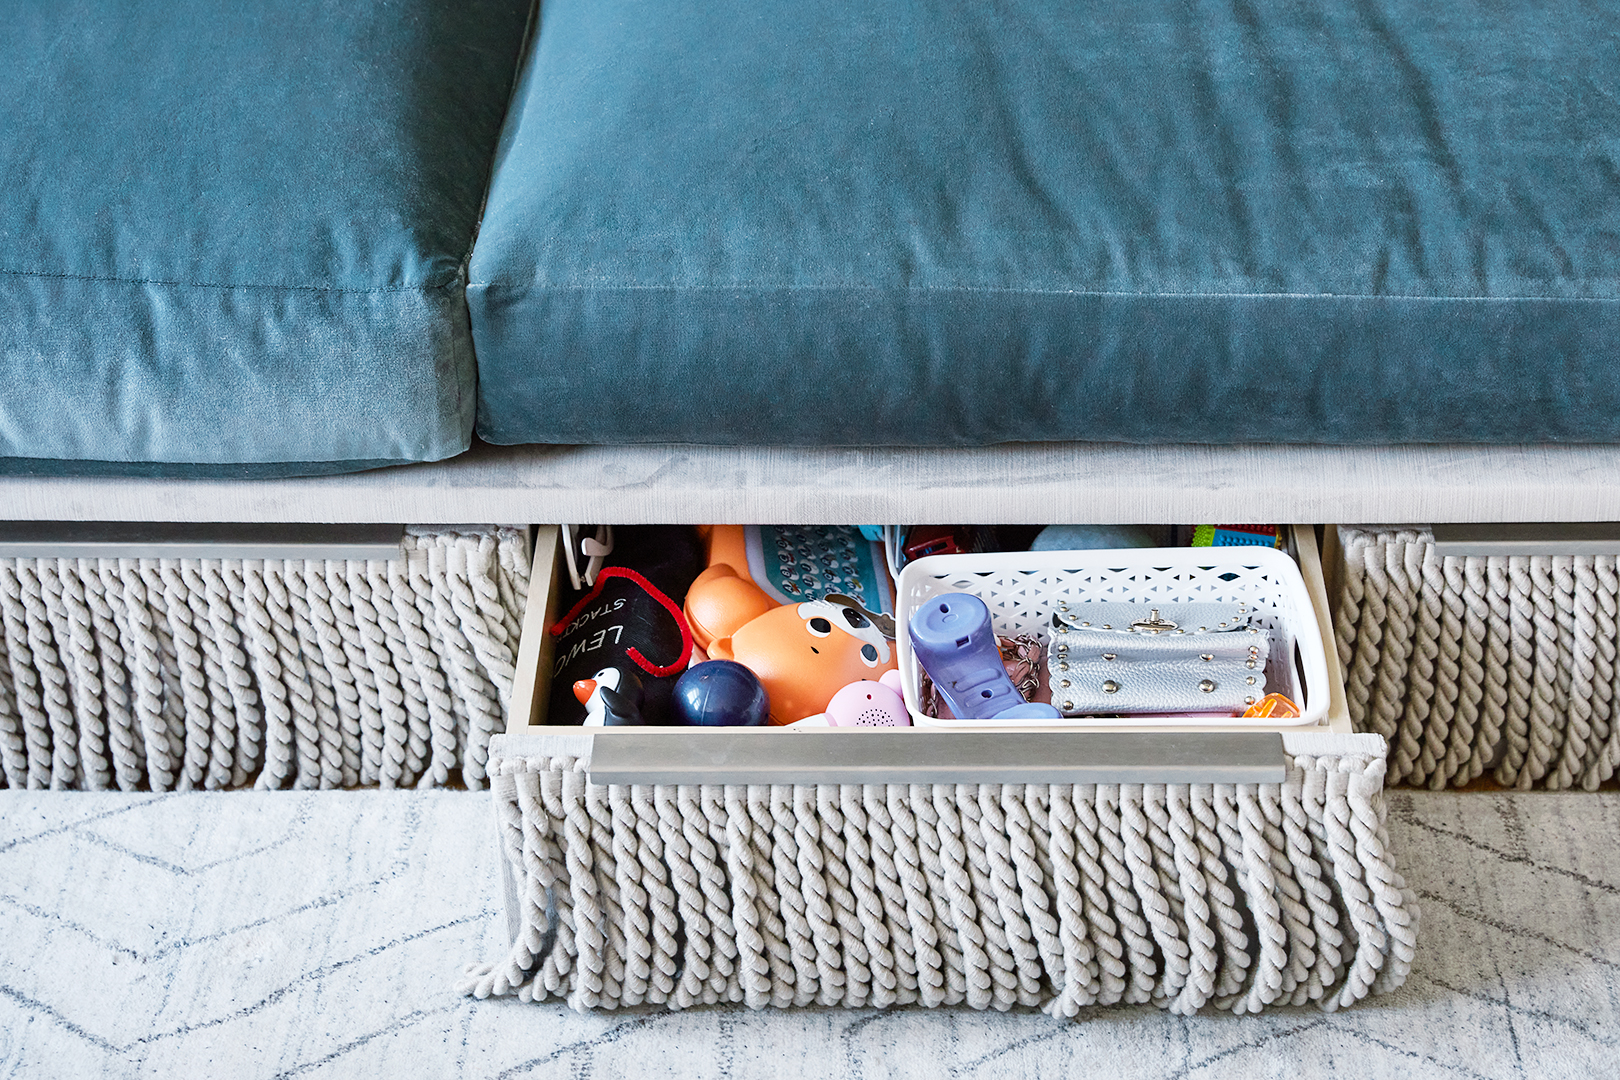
[[142, 649], [1134, 929], [297, 652], [603, 859], [1402, 602], [659, 878], [1296, 917], [796, 932], [710, 842], [509, 975], [1080, 985], [35, 726], [69, 612], [824, 933], [415, 611], [13, 742], [1413, 760], [119, 678], [753, 959], [1545, 735], [164, 575], [1577, 580], [899, 941], [382, 697], [1395, 903], [1347, 613], [1017, 967], [871, 917], [405, 747], [474, 695], [53, 685], [222, 766], [1203, 941], [1370, 936], [1607, 757], [172, 704], [330, 685], [1361, 672], [922, 918], [13, 732], [1235, 961], [259, 631], [1510, 589], [1304, 860], [1046, 962], [1560, 588], [1488, 608], [1441, 623], [961, 903], [343, 756], [471, 570], [1384, 639], [1475, 734], [772, 928], [1156, 906], [223, 588], [954, 953]]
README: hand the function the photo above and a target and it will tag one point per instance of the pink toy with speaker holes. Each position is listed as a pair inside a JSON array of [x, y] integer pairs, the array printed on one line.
[[869, 704]]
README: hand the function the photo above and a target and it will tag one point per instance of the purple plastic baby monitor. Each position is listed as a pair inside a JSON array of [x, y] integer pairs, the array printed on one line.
[[956, 644]]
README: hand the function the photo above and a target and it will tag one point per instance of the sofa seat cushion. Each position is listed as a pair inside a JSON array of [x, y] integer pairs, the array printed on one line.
[[948, 222], [236, 233]]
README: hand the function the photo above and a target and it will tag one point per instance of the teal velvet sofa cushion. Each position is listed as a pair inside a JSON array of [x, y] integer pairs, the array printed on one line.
[[954, 221], [235, 234]]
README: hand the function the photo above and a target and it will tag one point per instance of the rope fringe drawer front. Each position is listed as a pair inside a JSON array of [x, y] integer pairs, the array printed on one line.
[[214, 673], [1473, 665], [1060, 896]]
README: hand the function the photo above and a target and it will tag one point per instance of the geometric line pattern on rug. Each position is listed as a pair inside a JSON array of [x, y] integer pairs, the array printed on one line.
[[320, 934]]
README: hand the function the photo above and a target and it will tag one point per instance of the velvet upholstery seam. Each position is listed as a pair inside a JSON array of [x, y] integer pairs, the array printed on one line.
[[54, 276], [1022, 290]]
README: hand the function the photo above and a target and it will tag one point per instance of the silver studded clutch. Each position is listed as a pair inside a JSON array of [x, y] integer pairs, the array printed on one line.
[[1112, 659]]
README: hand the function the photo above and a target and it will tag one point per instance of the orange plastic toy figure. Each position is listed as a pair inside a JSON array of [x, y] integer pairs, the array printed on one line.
[[802, 653]]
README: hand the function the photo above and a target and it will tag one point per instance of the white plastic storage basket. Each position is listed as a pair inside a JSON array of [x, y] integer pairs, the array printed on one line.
[[1022, 588]]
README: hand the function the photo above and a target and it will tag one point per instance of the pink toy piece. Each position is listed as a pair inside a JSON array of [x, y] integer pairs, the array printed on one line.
[[869, 704]]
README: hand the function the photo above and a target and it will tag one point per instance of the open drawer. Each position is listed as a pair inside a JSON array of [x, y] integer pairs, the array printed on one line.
[[1236, 867], [993, 752]]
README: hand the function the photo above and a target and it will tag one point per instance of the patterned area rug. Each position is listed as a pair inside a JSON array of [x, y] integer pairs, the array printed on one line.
[[259, 935]]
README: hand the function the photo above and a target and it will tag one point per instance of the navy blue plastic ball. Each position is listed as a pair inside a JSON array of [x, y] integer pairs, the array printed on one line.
[[720, 693]]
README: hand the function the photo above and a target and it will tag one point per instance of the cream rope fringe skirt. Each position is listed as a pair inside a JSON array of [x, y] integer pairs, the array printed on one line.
[[207, 673], [1471, 665], [984, 895]]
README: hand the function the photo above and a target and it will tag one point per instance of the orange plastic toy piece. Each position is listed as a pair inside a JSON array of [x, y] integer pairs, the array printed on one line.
[[1272, 705], [720, 602], [724, 597]]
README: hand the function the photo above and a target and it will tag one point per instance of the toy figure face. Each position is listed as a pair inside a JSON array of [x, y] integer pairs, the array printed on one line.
[[805, 653]]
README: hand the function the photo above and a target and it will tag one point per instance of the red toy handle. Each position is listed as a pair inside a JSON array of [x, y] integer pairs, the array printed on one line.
[[657, 594]]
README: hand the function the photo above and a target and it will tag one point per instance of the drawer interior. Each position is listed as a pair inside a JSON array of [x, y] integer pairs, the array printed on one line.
[[532, 687]]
